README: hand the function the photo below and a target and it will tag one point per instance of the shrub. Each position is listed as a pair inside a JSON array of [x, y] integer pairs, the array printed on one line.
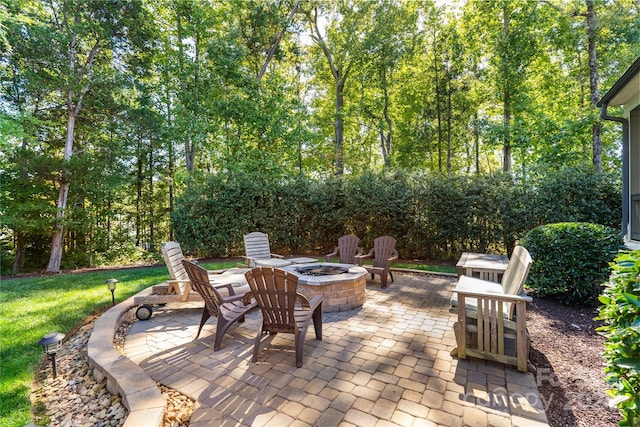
[[587, 196], [621, 313], [430, 216], [571, 259]]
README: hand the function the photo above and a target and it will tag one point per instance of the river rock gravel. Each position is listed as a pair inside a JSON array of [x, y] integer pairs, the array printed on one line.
[[75, 399]]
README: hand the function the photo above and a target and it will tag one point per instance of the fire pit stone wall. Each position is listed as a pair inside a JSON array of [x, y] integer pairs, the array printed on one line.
[[342, 292]]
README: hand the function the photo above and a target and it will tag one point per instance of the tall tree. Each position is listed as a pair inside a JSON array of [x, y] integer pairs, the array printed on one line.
[[191, 27], [338, 31], [70, 44], [388, 43], [508, 32], [593, 84]]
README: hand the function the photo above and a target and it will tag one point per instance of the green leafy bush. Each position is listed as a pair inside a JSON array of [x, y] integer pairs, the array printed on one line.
[[586, 196], [433, 217], [571, 259], [620, 311]]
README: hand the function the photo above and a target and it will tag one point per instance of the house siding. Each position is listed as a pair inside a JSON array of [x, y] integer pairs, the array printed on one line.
[[634, 154]]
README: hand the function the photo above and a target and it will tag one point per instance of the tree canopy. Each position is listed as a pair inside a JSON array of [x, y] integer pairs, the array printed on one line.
[[108, 108]]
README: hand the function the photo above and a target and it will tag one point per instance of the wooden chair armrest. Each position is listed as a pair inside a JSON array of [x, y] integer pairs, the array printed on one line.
[[361, 257], [246, 298], [315, 301], [276, 256], [309, 303], [229, 287], [334, 253], [303, 300], [493, 295], [233, 298]]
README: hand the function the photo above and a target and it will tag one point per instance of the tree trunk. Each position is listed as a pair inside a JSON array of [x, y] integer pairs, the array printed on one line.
[[476, 132], [340, 74], [386, 140], [18, 262], [448, 126], [506, 100], [139, 178], [593, 86], [276, 42], [438, 107], [189, 151], [56, 244], [339, 125], [506, 138], [171, 165], [150, 167]]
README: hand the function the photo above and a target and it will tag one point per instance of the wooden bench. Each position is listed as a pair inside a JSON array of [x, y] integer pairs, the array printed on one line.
[[491, 322]]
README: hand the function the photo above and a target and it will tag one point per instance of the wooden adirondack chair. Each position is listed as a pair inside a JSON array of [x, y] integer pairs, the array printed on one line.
[[383, 253], [226, 309], [492, 316], [179, 283], [258, 252], [347, 249], [283, 309]]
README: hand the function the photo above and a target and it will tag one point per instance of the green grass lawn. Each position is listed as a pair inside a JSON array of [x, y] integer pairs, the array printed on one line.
[[426, 267], [410, 266], [34, 306]]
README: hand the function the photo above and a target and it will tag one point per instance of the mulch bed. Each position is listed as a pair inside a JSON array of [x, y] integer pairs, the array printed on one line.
[[567, 353]]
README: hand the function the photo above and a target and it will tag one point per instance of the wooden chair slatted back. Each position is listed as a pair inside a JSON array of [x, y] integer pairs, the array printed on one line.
[[348, 248], [200, 282], [172, 254], [515, 275], [275, 293], [256, 245], [384, 247], [517, 270]]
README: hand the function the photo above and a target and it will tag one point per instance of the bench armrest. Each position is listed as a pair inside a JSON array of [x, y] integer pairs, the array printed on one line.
[[493, 295]]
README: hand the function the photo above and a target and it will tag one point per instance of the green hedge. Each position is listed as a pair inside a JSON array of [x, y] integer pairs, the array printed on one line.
[[430, 216], [570, 260], [620, 311]]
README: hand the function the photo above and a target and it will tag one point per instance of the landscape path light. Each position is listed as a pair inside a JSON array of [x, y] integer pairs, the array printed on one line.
[[111, 285], [51, 343]]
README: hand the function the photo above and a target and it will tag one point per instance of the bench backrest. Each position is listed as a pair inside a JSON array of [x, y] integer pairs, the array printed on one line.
[[173, 257], [517, 270], [256, 245]]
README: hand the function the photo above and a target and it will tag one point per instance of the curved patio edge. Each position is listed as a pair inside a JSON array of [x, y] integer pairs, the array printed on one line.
[[139, 393]]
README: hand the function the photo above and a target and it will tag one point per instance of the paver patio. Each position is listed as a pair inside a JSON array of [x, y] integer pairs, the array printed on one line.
[[384, 364]]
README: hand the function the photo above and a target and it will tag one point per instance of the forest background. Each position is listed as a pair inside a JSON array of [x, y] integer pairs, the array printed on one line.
[[111, 110]]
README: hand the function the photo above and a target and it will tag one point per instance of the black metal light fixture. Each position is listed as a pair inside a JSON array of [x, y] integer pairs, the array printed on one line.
[[111, 285], [51, 343]]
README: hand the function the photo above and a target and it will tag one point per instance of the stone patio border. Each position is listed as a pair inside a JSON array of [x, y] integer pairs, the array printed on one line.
[[139, 393]]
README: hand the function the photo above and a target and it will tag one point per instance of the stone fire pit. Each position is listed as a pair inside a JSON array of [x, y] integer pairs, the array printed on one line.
[[342, 285]]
